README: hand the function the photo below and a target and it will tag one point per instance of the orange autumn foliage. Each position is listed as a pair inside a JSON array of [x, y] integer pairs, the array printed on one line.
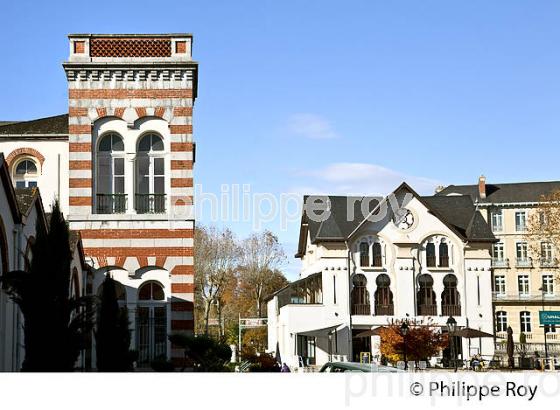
[[423, 341]]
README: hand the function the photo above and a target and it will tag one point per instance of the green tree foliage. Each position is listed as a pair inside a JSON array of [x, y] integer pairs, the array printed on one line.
[[55, 324], [112, 335], [202, 353]]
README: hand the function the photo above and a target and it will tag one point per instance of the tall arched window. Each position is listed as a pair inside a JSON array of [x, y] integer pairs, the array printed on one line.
[[377, 256], [501, 321], [426, 297], [151, 323], [25, 173], [443, 254], [360, 296], [364, 254], [110, 180], [383, 296], [430, 255], [450, 300], [150, 175]]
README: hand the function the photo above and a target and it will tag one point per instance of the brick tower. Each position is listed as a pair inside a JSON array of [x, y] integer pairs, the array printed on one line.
[[131, 156]]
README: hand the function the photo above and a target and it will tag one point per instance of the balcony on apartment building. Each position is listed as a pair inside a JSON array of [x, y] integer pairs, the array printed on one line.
[[118, 203], [526, 262], [548, 262], [535, 297], [500, 262]]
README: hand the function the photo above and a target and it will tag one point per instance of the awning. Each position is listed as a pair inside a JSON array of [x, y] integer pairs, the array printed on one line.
[[369, 333], [469, 333], [319, 332]]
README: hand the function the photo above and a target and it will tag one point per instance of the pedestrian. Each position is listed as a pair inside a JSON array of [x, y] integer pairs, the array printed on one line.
[[285, 368]]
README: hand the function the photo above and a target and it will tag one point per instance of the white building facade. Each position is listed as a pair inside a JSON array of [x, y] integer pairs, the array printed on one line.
[[363, 271]]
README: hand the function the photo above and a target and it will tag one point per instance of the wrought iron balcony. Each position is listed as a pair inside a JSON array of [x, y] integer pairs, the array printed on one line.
[[111, 203], [535, 297], [500, 262], [524, 262], [427, 310], [149, 203], [358, 309], [384, 310], [451, 310], [549, 262]]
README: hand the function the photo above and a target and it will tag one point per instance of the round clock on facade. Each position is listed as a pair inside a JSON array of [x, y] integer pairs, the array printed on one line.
[[404, 219]]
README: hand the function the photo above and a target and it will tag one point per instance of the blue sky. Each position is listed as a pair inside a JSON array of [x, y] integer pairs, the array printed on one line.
[[324, 96]]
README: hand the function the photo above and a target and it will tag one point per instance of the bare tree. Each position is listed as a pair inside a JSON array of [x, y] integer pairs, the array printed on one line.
[[261, 255], [217, 256], [543, 228]]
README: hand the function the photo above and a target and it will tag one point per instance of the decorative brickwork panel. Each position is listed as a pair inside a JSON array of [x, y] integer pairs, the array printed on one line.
[[128, 47]]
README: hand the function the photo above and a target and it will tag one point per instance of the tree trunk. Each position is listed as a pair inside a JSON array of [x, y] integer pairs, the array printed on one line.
[[207, 315]]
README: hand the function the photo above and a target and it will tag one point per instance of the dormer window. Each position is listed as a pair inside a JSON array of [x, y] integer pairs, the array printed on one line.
[[431, 255], [364, 254], [443, 254]]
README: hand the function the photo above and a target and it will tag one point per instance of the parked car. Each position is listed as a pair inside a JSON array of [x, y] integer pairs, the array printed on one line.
[[342, 367]]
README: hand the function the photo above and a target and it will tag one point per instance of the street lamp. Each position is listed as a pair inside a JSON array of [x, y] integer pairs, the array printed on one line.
[[451, 327], [404, 331], [544, 330]]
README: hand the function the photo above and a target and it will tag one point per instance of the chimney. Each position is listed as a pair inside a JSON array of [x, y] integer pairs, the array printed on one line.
[[439, 188], [482, 187]]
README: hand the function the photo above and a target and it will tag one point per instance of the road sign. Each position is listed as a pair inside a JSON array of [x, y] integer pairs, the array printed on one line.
[[253, 322], [549, 317]]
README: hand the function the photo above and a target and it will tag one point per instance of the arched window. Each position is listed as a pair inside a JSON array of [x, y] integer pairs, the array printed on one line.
[[501, 321], [110, 179], [443, 254], [364, 254], [25, 173], [426, 297], [383, 296], [450, 300], [150, 175], [151, 323], [430, 255], [360, 296], [377, 257]]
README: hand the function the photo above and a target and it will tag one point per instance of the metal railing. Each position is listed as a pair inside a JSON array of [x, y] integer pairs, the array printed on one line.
[[149, 203], [451, 310], [427, 310], [111, 203], [549, 262], [377, 261], [444, 261], [431, 261], [524, 262], [384, 310], [358, 309], [524, 297], [500, 262]]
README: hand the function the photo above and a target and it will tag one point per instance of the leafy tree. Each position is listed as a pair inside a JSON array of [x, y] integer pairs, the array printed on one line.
[[261, 254], [543, 227], [112, 336], [422, 341], [202, 353], [55, 325]]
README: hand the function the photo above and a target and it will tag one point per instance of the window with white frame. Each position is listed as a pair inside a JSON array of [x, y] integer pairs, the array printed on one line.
[[497, 220], [498, 251], [523, 285], [25, 173], [501, 321], [525, 321], [500, 285], [150, 175], [522, 251], [546, 252], [151, 323], [110, 179], [550, 328], [548, 285], [521, 221]]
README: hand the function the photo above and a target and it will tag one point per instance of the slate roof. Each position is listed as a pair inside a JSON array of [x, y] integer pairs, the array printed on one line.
[[458, 212], [505, 193], [43, 126], [25, 198]]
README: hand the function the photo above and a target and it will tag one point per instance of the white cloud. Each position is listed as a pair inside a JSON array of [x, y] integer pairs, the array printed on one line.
[[311, 126], [352, 178]]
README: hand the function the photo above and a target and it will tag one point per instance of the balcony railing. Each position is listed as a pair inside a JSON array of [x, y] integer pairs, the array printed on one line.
[[451, 310], [444, 261], [549, 262], [384, 310], [377, 261], [431, 261], [427, 310], [358, 309], [149, 203], [535, 297], [524, 262], [111, 203], [500, 262]]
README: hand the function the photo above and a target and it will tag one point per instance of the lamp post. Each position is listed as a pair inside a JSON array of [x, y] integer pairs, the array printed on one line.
[[451, 327], [404, 331], [544, 330]]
